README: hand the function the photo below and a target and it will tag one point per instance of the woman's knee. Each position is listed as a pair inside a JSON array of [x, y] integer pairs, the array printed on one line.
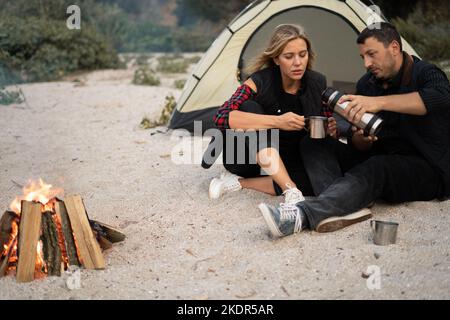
[[267, 154], [243, 170]]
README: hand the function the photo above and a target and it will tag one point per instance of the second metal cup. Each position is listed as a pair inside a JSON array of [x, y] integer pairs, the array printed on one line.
[[384, 232]]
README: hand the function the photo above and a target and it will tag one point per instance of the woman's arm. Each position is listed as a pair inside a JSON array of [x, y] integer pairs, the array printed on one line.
[[246, 120], [229, 116], [243, 93]]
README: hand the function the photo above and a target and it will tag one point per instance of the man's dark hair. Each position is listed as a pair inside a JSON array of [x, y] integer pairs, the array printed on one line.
[[383, 32]]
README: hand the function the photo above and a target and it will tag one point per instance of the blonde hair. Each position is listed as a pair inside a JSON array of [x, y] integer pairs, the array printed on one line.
[[282, 35]]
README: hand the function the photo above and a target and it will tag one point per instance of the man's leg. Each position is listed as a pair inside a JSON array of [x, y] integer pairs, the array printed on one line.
[[326, 160], [396, 178]]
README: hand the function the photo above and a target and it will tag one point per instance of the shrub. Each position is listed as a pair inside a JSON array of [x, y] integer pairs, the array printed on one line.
[[10, 97], [168, 64], [428, 36], [179, 84], [146, 76], [143, 59], [43, 50], [164, 118], [194, 59]]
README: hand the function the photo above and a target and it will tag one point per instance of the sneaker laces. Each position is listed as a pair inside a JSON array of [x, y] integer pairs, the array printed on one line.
[[292, 195], [289, 211]]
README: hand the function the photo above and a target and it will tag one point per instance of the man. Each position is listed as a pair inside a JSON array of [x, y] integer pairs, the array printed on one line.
[[408, 161]]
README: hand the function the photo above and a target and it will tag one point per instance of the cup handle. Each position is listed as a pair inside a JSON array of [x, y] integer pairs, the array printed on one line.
[[371, 224], [306, 124]]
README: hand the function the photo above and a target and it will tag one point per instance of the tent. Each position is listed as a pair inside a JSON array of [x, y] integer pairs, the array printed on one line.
[[332, 26]]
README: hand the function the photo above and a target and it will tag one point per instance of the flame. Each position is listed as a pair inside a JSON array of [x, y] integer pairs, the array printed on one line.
[[9, 250], [12, 238], [37, 191], [40, 266], [13, 257]]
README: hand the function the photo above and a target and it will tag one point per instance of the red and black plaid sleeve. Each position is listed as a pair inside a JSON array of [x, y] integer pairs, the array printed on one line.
[[242, 94]]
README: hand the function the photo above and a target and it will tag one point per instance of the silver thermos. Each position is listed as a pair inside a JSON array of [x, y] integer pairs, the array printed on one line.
[[370, 123]]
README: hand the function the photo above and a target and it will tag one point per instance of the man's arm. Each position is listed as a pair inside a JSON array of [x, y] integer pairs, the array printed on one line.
[[433, 96], [409, 103]]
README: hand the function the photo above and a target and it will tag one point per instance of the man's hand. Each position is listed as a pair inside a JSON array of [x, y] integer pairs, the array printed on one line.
[[291, 121], [332, 128], [360, 141], [358, 105]]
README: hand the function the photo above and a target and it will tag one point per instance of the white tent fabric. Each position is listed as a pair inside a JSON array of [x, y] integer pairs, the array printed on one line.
[[332, 26]]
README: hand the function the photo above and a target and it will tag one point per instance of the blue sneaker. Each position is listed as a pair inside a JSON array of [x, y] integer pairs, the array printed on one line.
[[284, 220]]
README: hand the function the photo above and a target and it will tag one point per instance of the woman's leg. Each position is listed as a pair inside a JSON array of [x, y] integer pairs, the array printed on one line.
[[261, 184], [269, 159]]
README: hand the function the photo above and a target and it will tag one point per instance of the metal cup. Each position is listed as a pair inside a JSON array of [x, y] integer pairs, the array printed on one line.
[[384, 232], [317, 127]]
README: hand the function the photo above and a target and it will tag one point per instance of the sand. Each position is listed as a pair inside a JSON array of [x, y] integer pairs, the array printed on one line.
[[85, 138]]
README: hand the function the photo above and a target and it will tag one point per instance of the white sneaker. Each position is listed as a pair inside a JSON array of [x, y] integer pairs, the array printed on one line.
[[293, 196], [227, 182]]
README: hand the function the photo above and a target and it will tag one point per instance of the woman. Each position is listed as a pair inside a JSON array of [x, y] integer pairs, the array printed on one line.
[[281, 91]]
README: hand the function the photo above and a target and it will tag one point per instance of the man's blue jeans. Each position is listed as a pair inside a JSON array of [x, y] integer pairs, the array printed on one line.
[[346, 180]]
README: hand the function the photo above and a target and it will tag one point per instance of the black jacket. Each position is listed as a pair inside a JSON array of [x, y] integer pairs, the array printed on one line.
[[428, 134], [269, 87]]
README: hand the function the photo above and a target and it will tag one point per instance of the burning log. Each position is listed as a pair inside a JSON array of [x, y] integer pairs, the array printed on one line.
[[6, 241], [69, 242], [90, 253], [4, 262], [6, 228], [29, 228], [52, 251]]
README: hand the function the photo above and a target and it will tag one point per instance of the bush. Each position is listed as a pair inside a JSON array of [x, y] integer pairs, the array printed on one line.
[[194, 59], [145, 37], [179, 84], [10, 97], [164, 118], [143, 59], [428, 35], [146, 76], [43, 50], [170, 64], [190, 40]]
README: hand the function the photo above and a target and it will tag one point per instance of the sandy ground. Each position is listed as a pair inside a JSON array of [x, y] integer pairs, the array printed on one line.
[[180, 245]]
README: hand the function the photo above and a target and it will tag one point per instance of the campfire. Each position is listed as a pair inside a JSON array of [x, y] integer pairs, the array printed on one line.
[[43, 236]]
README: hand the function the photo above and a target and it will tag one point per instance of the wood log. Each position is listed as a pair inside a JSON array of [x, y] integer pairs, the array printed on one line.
[[112, 234], [69, 242], [6, 228], [91, 256], [104, 243], [5, 237], [4, 261], [29, 229], [51, 249]]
